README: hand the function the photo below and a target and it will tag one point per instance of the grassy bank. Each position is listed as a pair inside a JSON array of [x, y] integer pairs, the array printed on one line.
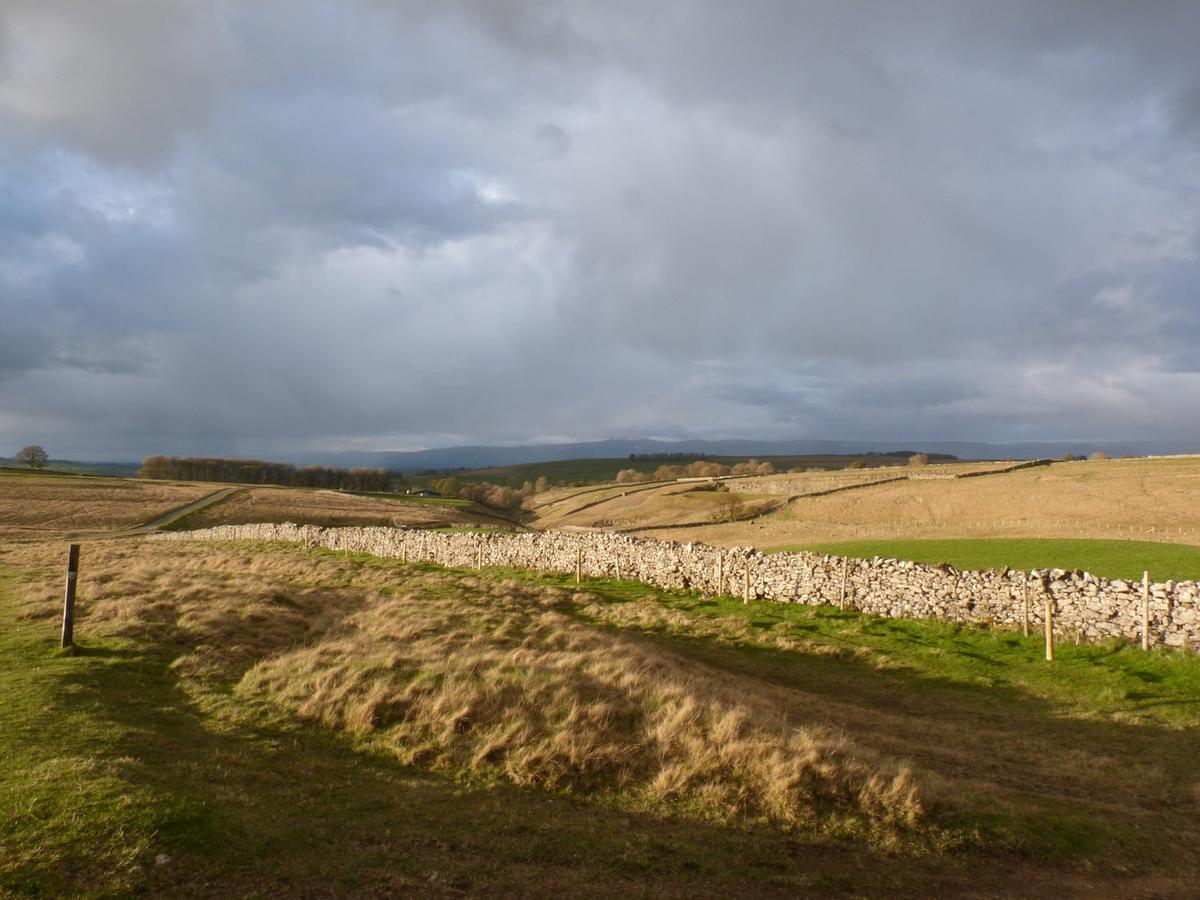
[[1111, 559], [122, 776], [261, 719]]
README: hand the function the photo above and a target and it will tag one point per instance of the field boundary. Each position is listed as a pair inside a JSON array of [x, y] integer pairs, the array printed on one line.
[[1081, 606], [907, 476]]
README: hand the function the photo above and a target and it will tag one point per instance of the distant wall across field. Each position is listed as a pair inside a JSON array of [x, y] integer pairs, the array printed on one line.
[[1083, 605], [801, 487]]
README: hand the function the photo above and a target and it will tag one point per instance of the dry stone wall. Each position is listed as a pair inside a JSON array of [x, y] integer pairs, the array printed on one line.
[[801, 487], [1083, 606]]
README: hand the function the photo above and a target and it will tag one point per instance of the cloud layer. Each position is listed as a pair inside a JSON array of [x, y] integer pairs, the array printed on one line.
[[268, 226]]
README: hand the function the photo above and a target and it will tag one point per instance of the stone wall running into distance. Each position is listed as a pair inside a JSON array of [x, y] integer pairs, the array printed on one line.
[[798, 487], [1084, 606]]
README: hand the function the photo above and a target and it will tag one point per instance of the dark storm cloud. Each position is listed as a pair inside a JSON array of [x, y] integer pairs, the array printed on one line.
[[256, 227]]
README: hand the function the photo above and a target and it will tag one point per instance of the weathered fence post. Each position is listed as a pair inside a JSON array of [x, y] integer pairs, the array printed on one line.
[[68, 625], [479, 556], [845, 575], [1025, 604], [1145, 610], [618, 565], [720, 572], [578, 564], [746, 591], [1049, 598]]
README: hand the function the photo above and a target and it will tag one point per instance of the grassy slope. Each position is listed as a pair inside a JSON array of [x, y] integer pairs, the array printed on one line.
[[117, 758], [118, 780], [594, 471], [1111, 559]]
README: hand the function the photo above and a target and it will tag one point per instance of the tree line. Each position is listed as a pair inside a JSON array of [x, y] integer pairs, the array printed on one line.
[[257, 471], [697, 469], [497, 496]]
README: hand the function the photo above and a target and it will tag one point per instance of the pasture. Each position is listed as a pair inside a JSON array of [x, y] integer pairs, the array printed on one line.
[[596, 471], [44, 504], [443, 731], [1114, 500], [34, 505], [310, 506]]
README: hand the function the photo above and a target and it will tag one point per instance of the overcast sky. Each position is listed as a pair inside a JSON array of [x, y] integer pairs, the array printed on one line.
[[256, 227]]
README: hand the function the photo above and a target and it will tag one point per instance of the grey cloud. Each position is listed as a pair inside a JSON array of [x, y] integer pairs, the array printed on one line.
[[245, 227], [122, 80]]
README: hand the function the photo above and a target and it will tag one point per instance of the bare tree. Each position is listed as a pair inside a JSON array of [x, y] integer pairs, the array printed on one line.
[[33, 456], [919, 459]]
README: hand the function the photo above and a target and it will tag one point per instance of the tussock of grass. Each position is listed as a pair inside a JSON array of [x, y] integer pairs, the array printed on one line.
[[498, 679], [502, 678]]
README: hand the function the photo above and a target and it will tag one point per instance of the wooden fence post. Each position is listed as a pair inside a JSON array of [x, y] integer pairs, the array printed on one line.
[[746, 592], [578, 564], [1145, 610], [618, 565], [1025, 604], [720, 572], [845, 574], [479, 556], [1049, 623], [68, 625]]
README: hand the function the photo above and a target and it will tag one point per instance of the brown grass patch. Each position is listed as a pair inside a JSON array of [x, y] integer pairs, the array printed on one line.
[[328, 508], [498, 679], [1109, 499], [633, 506], [43, 505]]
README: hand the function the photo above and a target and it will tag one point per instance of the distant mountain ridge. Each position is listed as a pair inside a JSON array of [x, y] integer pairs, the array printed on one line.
[[482, 456]]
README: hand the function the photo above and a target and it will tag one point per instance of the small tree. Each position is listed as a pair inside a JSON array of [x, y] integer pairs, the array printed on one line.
[[858, 464], [919, 459], [33, 456]]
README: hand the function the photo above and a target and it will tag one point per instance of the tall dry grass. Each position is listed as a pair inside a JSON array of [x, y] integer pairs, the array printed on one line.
[[499, 679]]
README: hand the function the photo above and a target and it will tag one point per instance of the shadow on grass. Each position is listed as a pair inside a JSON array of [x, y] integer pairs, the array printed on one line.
[[230, 802], [247, 803], [1066, 783]]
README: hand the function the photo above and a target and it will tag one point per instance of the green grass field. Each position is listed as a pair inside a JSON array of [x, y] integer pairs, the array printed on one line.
[[1110, 559], [125, 774]]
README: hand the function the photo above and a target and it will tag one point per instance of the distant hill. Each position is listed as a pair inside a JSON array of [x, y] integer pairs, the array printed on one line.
[[478, 457]]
